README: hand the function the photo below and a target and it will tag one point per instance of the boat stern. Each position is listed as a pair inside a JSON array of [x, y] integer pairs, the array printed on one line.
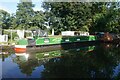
[[20, 48]]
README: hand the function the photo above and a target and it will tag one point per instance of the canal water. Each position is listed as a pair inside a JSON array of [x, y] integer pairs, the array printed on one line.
[[94, 61]]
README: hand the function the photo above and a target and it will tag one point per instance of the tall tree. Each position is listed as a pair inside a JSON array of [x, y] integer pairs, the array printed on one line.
[[68, 16], [4, 19], [27, 18], [38, 20], [105, 17], [24, 14]]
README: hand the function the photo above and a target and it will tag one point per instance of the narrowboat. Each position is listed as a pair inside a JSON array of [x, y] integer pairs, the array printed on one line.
[[108, 37], [41, 39]]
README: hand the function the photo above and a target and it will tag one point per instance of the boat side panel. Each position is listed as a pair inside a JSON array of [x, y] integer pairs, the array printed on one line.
[[59, 40]]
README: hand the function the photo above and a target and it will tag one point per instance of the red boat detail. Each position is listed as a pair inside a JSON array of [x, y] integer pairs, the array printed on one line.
[[20, 48]]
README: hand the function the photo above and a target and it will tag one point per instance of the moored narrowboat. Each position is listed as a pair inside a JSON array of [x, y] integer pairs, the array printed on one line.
[[108, 37], [67, 37]]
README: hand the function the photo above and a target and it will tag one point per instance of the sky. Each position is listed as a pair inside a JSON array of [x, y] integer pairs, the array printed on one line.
[[11, 5]]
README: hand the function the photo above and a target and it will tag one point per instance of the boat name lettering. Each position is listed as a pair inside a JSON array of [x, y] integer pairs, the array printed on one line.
[[78, 39], [46, 40], [67, 40]]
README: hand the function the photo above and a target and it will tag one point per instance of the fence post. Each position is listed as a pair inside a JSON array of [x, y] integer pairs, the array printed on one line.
[[11, 35]]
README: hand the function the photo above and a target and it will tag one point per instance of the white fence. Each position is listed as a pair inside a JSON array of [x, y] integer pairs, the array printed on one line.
[[3, 38]]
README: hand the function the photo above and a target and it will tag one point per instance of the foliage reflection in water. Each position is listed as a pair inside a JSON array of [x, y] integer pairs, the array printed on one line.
[[99, 61]]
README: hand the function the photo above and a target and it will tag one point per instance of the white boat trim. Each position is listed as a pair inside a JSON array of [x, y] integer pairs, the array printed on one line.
[[20, 46]]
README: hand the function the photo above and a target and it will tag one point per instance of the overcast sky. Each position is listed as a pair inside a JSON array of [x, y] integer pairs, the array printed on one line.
[[11, 5]]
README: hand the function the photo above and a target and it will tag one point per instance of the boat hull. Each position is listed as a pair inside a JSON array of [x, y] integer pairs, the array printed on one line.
[[20, 48]]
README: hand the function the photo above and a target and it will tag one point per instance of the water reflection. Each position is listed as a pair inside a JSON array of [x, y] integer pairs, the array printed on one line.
[[23, 57], [26, 62], [4, 55], [99, 61]]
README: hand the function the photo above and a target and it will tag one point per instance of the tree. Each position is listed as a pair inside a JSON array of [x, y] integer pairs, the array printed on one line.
[[27, 18], [38, 20], [105, 17], [68, 16], [4, 19], [24, 14], [92, 17]]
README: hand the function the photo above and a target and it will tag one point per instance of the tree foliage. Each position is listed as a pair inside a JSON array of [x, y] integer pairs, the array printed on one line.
[[64, 16], [107, 19], [93, 17], [4, 19], [68, 16], [27, 18]]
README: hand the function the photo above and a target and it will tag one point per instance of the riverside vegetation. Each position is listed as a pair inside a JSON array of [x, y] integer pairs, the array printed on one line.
[[62, 16]]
